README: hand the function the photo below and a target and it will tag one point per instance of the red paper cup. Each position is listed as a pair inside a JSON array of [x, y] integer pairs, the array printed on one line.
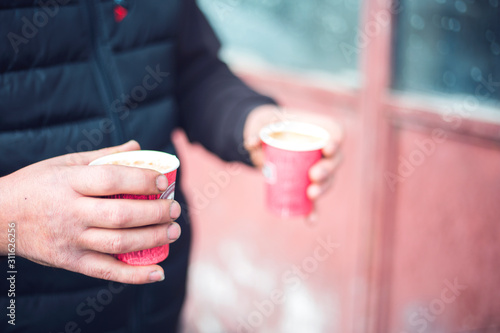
[[290, 149], [147, 159]]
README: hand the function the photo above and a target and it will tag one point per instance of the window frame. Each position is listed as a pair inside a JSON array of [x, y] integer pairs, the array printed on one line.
[[384, 113]]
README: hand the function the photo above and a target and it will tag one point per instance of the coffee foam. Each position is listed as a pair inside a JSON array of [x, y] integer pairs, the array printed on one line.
[[294, 136], [146, 159], [143, 164]]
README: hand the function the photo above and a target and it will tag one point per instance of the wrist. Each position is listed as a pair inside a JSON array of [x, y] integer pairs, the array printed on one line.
[[5, 215]]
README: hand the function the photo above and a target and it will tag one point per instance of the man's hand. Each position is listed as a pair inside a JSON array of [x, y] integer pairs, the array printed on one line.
[[322, 173], [61, 221]]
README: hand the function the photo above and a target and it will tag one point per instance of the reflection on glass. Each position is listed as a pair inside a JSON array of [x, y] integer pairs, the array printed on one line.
[[298, 35], [449, 46]]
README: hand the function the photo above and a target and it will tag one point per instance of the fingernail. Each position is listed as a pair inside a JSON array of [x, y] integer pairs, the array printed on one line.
[[175, 210], [161, 183], [156, 276], [173, 231]]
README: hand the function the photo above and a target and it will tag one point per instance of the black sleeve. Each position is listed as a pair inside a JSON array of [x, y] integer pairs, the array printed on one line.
[[213, 102]]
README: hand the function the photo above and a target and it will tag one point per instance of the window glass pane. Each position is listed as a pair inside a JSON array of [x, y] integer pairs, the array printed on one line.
[[297, 35], [449, 47]]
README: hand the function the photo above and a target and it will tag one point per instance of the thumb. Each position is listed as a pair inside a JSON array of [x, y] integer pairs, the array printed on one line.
[[87, 157]]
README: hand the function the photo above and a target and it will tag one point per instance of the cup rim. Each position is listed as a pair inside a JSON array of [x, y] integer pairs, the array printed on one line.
[[140, 154], [297, 127]]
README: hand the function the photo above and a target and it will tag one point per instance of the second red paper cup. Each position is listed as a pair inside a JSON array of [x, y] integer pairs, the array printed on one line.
[[147, 159], [290, 149]]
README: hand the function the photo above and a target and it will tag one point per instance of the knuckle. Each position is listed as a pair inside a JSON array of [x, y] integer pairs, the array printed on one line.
[[62, 260], [105, 179], [159, 212], [117, 244], [83, 240], [134, 278], [160, 236], [107, 184], [119, 217], [101, 273], [148, 180], [143, 179], [73, 159]]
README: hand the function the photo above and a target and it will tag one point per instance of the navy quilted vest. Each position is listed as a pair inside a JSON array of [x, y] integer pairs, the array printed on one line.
[[73, 78]]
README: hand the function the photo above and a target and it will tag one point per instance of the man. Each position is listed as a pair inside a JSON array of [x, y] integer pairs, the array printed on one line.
[[84, 75]]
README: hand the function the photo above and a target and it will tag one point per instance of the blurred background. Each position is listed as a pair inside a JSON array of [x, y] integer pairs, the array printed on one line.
[[407, 239]]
